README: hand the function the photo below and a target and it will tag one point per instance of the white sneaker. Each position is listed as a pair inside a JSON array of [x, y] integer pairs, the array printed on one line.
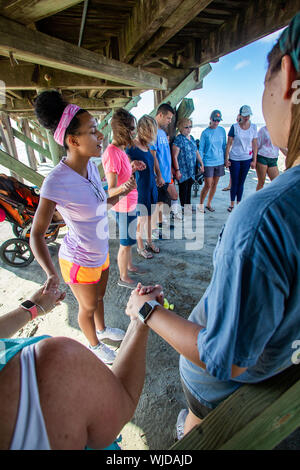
[[110, 335], [177, 214], [104, 353]]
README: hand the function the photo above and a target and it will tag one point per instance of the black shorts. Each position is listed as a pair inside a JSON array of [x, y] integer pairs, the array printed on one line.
[[199, 410], [163, 195]]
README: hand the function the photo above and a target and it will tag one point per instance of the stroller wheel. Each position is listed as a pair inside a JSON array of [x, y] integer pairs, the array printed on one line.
[[17, 230], [16, 252]]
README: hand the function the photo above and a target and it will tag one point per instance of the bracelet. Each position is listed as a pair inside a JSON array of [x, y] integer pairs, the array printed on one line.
[[42, 308]]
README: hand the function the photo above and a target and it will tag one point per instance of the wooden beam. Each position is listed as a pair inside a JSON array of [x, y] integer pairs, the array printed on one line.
[[20, 170], [184, 13], [39, 48], [90, 104], [29, 142], [9, 137], [191, 82], [29, 148], [30, 11], [146, 18], [31, 77], [259, 19]]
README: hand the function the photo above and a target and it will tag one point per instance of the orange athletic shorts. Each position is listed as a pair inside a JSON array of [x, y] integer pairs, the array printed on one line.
[[72, 273]]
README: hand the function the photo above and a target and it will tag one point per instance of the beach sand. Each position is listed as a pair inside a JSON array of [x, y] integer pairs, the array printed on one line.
[[184, 275]]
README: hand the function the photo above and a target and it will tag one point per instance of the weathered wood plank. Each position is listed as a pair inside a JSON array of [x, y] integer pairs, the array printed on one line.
[[240, 409], [29, 11], [186, 11], [9, 137], [18, 168], [39, 48], [29, 149], [31, 77], [146, 18], [259, 19], [270, 428]]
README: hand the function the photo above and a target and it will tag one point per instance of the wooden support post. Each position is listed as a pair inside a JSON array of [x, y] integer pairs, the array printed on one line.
[[9, 138], [30, 152], [40, 143], [187, 85], [19, 170], [55, 149], [31, 143]]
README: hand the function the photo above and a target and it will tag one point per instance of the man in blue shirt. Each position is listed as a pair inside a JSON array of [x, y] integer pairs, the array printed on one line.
[[163, 162]]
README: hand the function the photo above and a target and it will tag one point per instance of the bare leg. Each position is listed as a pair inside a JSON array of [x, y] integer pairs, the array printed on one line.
[[190, 422], [99, 312], [123, 262], [87, 298], [261, 171], [212, 190], [273, 172]]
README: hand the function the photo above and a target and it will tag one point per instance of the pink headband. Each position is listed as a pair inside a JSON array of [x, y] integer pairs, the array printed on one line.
[[67, 116]]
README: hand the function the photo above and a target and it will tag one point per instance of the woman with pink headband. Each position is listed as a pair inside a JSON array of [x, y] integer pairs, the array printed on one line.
[[74, 187]]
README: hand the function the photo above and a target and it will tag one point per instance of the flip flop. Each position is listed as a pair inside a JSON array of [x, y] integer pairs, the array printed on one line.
[[210, 209], [226, 189], [126, 284], [230, 209], [202, 211]]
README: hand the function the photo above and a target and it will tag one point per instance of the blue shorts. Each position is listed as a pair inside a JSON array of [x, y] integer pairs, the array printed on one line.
[[127, 222]]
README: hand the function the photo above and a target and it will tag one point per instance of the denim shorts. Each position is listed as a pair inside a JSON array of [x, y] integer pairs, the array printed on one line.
[[127, 222], [211, 171]]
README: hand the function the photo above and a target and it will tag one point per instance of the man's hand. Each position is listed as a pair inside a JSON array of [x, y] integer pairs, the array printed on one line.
[[159, 181]]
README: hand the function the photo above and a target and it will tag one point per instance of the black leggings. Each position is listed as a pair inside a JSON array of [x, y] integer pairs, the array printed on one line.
[[185, 190]]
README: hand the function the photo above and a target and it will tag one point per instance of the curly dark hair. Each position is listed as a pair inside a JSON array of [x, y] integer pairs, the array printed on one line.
[[49, 107]]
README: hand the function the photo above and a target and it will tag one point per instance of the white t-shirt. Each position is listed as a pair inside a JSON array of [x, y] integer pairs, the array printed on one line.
[[265, 146], [242, 144]]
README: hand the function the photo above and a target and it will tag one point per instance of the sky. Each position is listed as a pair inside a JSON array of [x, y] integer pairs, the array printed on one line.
[[237, 79]]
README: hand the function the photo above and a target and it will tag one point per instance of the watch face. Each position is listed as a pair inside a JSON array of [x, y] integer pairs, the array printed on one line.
[[28, 304], [145, 310]]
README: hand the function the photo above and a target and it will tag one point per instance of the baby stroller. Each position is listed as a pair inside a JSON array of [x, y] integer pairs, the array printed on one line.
[[198, 180], [18, 204]]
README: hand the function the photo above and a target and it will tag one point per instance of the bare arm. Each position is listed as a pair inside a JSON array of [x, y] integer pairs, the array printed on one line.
[[175, 153], [228, 148], [41, 222], [11, 322], [254, 150], [180, 333], [200, 161], [115, 192]]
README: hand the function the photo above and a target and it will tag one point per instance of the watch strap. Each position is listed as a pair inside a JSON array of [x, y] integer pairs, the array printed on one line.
[[33, 310], [153, 304]]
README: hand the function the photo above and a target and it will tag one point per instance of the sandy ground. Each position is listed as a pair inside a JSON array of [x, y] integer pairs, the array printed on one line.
[[184, 275]]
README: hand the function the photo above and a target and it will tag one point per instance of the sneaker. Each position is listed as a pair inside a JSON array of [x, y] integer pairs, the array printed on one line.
[[180, 423], [104, 353], [157, 234], [177, 212], [110, 335]]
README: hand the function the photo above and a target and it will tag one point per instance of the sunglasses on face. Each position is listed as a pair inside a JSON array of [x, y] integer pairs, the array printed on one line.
[[216, 120], [96, 191], [132, 128], [188, 127]]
